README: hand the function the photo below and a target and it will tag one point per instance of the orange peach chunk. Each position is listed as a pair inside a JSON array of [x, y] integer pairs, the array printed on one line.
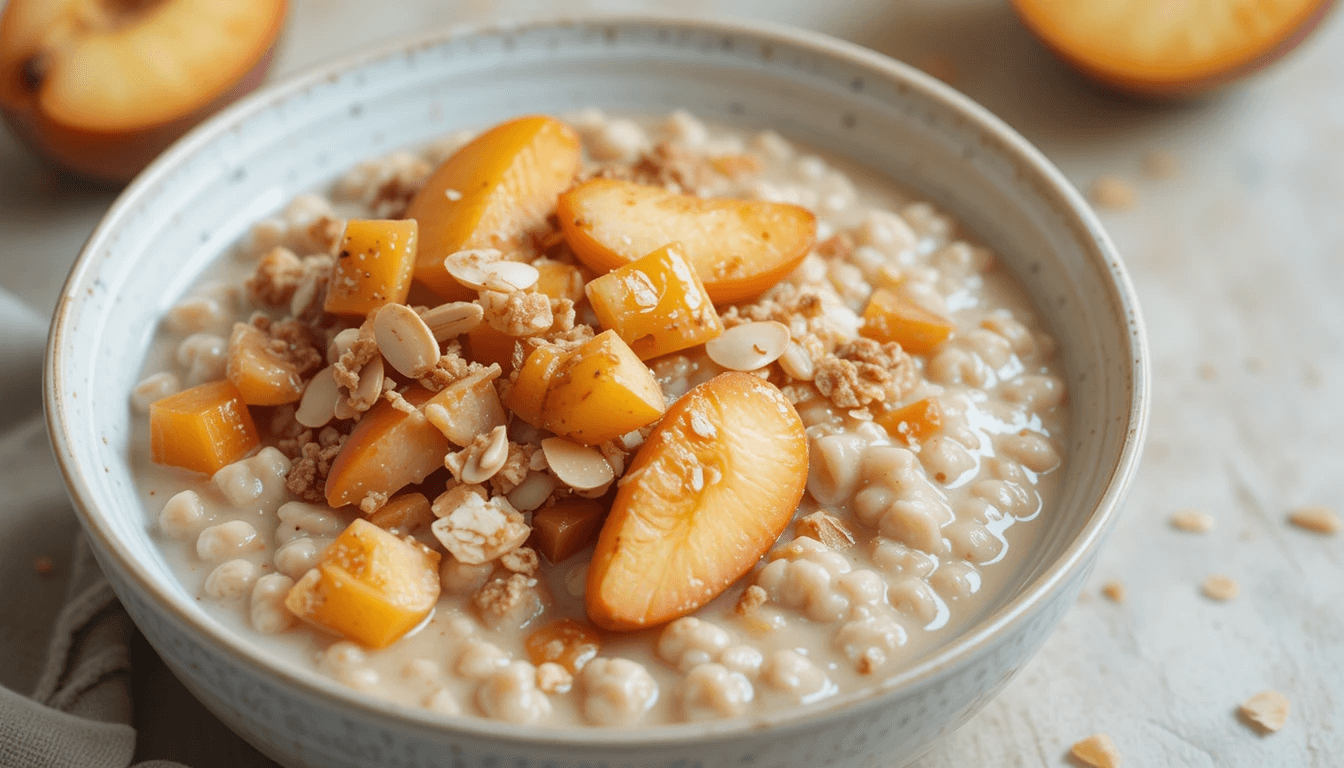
[[601, 391], [202, 428], [739, 248], [490, 193], [528, 393], [374, 266], [263, 376], [369, 586], [913, 423], [657, 304], [559, 280], [705, 497], [468, 407], [565, 528], [889, 317], [388, 450]]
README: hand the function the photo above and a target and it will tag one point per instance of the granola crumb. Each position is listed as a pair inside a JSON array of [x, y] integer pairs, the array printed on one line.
[[1160, 165], [372, 502], [277, 275], [518, 313], [1113, 193], [863, 371], [307, 476], [501, 597], [1113, 591], [1192, 521], [754, 597], [1267, 711], [43, 565], [1220, 588], [1315, 518], [522, 560], [1097, 751], [826, 528]]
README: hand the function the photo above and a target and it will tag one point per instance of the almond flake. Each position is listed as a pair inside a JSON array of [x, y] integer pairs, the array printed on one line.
[[749, 346], [1097, 751], [468, 267], [453, 319], [405, 341], [578, 466], [1267, 710], [318, 405], [1315, 518], [796, 362], [370, 385]]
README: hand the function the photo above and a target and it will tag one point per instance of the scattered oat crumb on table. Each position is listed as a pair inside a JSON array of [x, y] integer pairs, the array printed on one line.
[[1220, 588], [1097, 751], [1113, 591], [1208, 371], [1160, 164], [1315, 518], [43, 565], [1113, 193], [1192, 521], [1267, 710]]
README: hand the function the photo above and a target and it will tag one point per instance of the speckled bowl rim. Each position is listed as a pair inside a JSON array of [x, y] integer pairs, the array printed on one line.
[[976, 640]]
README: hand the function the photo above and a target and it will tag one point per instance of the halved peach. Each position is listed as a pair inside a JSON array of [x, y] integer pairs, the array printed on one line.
[[388, 450], [102, 87], [262, 376], [490, 193], [739, 248], [705, 497], [1164, 48]]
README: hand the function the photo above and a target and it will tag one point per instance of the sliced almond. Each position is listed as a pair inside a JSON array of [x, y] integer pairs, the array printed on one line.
[[341, 343], [468, 267], [749, 346], [797, 363], [453, 319], [510, 276], [578, 466], [1220, 588], [495, 454], [405, 341], [1192, 521], [343, 410], [318, 405], [1097, 751], [370, 385], [1268, 710]]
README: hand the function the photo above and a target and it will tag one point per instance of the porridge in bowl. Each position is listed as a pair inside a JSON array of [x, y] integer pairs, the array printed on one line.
[[602, 422]]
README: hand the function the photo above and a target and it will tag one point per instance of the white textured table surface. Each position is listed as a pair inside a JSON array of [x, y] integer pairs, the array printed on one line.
[[1239, 262]]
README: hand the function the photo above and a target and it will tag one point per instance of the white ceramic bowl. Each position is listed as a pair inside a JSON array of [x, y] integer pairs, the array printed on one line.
[[191, 204]]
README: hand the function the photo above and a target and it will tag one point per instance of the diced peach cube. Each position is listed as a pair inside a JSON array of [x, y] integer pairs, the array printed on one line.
[[913, 423], [528, 393], [559, 280], [657, 304], [889, 317], [374, 266], [202, 428], [602, 391], [262, 376], [388, 450], [369, 586], [468, 407]]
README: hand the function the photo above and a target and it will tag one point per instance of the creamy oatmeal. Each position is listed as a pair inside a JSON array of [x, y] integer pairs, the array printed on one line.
[[488, 491]]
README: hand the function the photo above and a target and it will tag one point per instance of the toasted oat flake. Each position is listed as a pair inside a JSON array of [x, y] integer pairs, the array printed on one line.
[[453, 319], [1113, 193], [1267, 710], [1113, 591], [1097, 751], [1220, 588], [578, 466], [1192, 521], [749, 346], [405, 341], [1315, 518]]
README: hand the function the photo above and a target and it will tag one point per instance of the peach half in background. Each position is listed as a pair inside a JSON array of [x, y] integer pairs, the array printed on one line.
[[100, 87]]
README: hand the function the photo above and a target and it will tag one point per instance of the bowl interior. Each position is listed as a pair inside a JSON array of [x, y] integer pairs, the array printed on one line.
[[248, 162]]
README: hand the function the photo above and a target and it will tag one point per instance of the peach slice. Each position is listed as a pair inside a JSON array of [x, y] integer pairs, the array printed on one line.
[[705, 497], [370, 586], [1164, 49], [387, 451], [657, 304], [262, 376], [490, 193], [739, 248], [600, 392], [102, 87]]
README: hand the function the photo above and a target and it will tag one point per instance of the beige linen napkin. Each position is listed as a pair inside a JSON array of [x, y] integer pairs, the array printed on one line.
[[80, 714]]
